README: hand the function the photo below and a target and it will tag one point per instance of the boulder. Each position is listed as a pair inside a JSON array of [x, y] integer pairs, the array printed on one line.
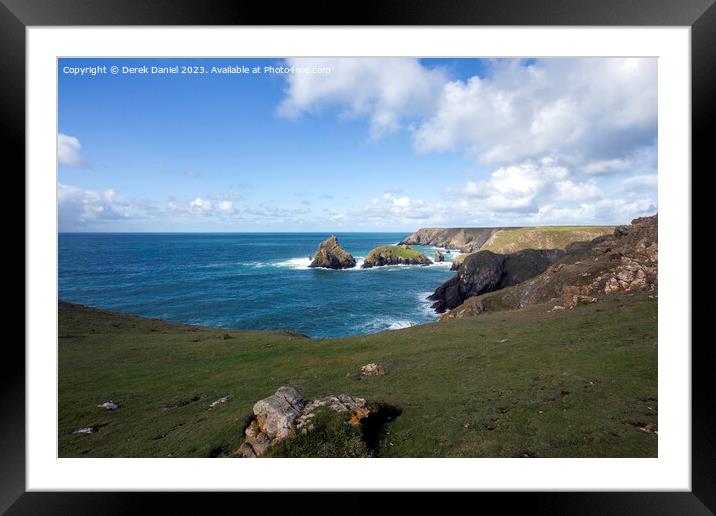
[[438, 256], [331, 256], [395, 255], [276, 414], [284, 412], [371, 369]]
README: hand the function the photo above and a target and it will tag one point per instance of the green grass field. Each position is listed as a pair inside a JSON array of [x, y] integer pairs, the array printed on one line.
[[542, 237], [525, 383]]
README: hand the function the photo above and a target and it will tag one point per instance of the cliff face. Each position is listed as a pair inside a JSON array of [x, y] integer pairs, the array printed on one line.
[[485, 271], [465, 239], [627, 260]]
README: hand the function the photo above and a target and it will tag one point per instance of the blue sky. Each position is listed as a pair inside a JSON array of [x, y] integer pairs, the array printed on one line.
[[355, 144]]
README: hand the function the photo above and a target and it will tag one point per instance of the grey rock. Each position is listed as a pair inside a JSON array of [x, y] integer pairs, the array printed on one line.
[[277, 413]]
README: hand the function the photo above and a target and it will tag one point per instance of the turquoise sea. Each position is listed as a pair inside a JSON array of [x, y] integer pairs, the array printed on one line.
[[257, 281]]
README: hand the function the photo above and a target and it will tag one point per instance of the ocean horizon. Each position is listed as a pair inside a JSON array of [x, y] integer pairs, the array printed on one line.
[[247, 280]]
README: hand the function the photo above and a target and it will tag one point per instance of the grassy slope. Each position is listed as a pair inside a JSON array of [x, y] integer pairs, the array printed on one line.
[[487, 386], [544, 237]]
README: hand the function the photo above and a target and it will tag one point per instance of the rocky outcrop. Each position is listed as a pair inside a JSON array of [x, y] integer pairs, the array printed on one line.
[[627, 260], [331, 256], [395, 255], [371, 369], [278, 416], [505, 240], [438, 256], [465, 239], [485, 271]]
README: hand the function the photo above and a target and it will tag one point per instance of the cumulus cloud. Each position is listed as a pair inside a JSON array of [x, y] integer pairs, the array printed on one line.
[[552, 133], [389, 209], [78, 208], [586, 109], [69, 151], [200, 206], [387, 91]]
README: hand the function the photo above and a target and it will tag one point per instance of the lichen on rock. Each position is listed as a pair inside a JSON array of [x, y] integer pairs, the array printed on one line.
[[280, 415]]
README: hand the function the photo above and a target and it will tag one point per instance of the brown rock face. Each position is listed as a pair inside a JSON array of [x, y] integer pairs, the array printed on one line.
[[624, 261], [485, 271], [331, 256]]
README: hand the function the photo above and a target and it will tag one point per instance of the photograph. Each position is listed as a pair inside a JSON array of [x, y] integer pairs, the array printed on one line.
[[357, 257]]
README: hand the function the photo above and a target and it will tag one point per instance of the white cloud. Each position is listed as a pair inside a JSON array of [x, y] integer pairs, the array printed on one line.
[[579, 108], [641, 184], [78, 208], [384, 90], [606, 166], [389, 209], [69, 151], [226, 206], [515, 188], [200, 206]]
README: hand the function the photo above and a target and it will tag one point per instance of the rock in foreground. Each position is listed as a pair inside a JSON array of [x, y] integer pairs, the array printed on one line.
[[331, 256], [286, 411], [395, 255]]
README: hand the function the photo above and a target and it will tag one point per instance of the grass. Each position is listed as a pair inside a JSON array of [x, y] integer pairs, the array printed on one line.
[[395, 250], [332, 436], [510, 384], [542, 237]]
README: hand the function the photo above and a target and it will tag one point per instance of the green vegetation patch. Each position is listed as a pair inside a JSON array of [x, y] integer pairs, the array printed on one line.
[[397, 251], [506, 384], [543, 237], [332, 436]]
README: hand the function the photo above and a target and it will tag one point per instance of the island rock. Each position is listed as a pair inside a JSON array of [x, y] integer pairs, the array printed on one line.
[[331, 256], [395, 255], [439, 256]]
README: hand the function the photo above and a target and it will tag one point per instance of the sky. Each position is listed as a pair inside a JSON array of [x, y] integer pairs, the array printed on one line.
[[354, 144]]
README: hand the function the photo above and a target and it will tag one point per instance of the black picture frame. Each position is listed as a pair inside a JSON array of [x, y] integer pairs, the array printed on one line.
[[700, 15]]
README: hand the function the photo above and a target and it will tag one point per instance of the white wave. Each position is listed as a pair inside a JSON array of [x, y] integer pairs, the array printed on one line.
[[386, 323], [294, 263], [399, 325], [426, 305], [257, 265]]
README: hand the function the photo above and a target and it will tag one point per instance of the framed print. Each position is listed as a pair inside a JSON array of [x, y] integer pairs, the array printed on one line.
[[413, 251]]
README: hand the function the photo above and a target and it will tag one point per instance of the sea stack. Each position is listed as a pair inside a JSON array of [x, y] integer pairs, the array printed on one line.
[[438, 256], [395, 255], [331, 256]]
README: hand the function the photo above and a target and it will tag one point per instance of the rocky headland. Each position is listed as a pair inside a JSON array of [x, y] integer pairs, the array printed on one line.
[[626, 260], [465, 239], [485, 271], [330, 255], [395, 255], [505, 240]]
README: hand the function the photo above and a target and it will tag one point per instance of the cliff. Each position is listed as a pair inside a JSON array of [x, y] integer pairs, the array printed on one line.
[[627, 261]]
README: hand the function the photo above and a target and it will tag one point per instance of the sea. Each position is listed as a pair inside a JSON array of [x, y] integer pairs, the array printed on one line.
[[248, 281]]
